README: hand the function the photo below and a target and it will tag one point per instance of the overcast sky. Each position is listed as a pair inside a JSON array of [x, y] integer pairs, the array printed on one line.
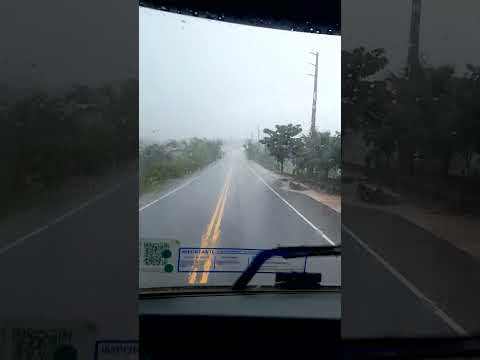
[[208, 78], [449, 29], [54, 44]]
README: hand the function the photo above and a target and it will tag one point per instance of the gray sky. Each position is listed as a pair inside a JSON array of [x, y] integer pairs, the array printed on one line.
[[206, 78], [449, 29], [54, 44]]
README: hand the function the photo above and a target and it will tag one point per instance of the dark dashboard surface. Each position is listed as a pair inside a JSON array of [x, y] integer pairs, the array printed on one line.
[[205, 336], [307, 305], [234, 323]]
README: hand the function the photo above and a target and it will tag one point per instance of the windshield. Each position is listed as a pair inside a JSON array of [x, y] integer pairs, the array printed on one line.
[[239, 150]]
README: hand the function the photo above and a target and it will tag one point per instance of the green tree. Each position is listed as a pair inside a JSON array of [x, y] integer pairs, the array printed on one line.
[[282, 142], [256, 152], [467, 139], [324, 153], [359, 91]]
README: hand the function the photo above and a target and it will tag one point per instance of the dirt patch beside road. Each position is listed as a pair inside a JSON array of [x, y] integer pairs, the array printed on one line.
[[332, 201]]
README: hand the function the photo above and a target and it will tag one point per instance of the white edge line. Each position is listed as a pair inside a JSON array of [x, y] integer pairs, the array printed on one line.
[[436, 310], [69, 213], [291, 207], [169, 193], [179, 187]]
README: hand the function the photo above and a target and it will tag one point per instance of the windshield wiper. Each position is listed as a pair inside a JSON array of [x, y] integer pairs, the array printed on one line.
[[289, 252]]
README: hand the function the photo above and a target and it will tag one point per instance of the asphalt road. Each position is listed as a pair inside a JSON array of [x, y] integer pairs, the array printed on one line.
[[399, 280], [251, 212], [77, 266]]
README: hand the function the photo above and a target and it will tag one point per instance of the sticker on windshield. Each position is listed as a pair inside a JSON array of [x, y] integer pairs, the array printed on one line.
[[232, 260], [29, 340], [159, 255]]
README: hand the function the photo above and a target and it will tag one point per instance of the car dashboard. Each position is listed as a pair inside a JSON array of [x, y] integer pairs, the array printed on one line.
[[226, 322]]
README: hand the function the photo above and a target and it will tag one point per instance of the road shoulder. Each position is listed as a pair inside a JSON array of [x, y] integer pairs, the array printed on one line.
[[334, 202], [460, 231]]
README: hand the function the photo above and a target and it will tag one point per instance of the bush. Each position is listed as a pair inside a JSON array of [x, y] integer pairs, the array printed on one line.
[[48, 139], [174, 159]]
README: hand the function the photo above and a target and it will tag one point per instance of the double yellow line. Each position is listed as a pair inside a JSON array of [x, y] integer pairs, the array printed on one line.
[[211, 236]]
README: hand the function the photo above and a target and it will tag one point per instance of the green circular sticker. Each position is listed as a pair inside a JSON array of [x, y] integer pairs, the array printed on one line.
[[168, 268], [166, 253]]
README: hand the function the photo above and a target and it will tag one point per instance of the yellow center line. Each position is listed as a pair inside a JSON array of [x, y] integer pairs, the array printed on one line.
[[215, 236], [204, 242], [205, 236], [209, 239]]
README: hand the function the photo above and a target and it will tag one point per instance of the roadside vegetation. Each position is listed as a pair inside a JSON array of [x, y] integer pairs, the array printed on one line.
[[422, 133], [47, 140], [314, 159], [174, 159]]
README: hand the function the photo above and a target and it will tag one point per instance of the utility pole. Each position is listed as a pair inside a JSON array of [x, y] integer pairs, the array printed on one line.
[[314, 103], [258, 133], [313, 124], [413, 62]]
